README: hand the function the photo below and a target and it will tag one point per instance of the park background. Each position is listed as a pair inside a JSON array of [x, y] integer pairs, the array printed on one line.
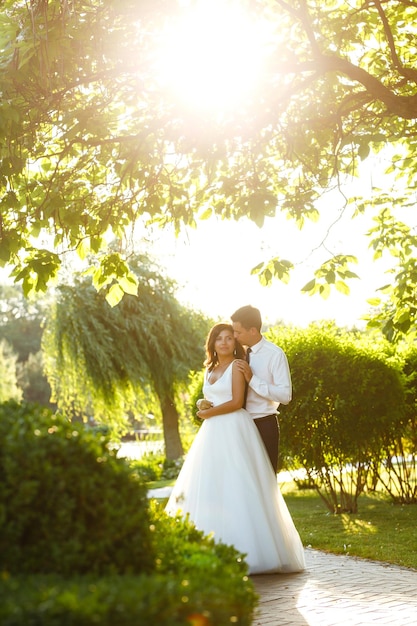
[[125, 156]]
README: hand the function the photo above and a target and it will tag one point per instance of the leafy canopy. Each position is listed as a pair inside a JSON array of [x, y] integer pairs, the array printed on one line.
[[94, 138]]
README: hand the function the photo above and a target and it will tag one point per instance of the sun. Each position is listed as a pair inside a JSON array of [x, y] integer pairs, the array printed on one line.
[[213, 55]]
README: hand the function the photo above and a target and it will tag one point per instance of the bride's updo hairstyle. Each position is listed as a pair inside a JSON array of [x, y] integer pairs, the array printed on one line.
[[211, 355]]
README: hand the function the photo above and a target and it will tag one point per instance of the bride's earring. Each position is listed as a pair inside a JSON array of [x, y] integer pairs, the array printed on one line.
[[215, 353], [234, 351]]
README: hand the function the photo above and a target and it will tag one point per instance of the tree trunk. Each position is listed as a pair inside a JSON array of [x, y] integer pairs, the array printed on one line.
[[170, 422]]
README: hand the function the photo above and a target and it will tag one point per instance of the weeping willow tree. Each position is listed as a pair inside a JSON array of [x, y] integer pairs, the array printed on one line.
[[105, 359]]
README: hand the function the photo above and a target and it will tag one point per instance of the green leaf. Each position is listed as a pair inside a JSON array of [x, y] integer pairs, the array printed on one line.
[[114, 295], [83, 248], [342, 287], [330, 277], [364, 151], [310, 286], [129, 284]]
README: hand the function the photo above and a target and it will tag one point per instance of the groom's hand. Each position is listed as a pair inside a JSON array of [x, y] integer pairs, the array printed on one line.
[[243, 367]]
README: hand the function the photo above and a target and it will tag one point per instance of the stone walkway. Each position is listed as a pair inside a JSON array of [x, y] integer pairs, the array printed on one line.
[[338, 591], [335, 591]]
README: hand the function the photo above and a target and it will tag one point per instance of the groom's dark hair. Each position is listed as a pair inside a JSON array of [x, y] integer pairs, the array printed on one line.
[[248, 316]]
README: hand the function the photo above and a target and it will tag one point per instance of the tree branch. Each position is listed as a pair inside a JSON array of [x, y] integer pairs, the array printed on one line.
[[401, 106], [304, 17], [407, 72]]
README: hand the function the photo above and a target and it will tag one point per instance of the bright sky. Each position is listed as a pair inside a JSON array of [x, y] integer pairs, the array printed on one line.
[[212, 266]]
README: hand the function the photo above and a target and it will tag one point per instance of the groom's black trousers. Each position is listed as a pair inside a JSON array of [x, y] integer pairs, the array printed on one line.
[[268, 427]]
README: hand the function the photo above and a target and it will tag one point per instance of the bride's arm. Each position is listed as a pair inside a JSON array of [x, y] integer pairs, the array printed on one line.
[[238, 396]]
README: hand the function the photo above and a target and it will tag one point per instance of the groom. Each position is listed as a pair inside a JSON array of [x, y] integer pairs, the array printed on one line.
[[267, 374]]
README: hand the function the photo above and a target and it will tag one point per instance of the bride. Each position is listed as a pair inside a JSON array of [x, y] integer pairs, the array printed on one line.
[[227, 485]]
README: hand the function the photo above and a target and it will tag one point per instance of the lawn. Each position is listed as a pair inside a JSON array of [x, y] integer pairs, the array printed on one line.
[[381, 530]]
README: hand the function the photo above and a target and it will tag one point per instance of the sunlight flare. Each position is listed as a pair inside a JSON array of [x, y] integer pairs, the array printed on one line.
[[212, 56]]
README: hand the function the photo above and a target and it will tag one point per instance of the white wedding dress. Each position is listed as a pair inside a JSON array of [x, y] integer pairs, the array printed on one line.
[[228, 488]]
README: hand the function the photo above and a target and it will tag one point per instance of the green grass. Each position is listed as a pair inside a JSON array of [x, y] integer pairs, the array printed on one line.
[[158, 484], [381, 530]]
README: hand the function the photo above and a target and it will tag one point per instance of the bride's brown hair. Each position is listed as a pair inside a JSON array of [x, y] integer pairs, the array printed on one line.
[[211, 356]]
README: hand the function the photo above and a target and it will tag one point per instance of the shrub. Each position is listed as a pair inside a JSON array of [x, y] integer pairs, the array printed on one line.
[[80, 544], [153, 466], [124, 601], [197, 581], [67, 504], [348, 400]]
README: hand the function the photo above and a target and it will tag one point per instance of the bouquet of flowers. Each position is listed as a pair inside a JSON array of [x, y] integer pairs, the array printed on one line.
[[203, 404]]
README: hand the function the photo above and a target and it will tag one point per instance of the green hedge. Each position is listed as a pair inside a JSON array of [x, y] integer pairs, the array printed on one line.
[[80, 544], [155, 466], [157, 599], [67, 504], [196, 582]]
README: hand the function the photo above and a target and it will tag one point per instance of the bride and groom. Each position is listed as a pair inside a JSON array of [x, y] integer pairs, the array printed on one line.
[[228, 483]]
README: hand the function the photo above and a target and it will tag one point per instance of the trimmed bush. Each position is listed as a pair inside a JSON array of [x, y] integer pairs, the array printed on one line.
[[81, 545], [67, 504], [196, 583], [153, 466], [125, 601], [348, 401]]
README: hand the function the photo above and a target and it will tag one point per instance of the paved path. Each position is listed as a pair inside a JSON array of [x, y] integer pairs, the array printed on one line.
[[338, 591], [335, 591]]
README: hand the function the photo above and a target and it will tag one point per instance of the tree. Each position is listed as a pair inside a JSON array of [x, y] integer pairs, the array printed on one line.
[[9, 389], [94, 141], [100, 358], [32, 380], [348, 403], [21, 325], [21, 320]]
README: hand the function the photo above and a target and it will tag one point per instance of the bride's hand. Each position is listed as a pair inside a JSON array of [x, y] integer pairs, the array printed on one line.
[[203, 404]]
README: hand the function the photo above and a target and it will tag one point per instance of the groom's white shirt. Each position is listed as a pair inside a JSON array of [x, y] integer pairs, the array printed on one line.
[[270, 384]]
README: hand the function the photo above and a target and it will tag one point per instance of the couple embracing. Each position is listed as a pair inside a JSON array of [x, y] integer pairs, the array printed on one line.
[[228, 484]]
